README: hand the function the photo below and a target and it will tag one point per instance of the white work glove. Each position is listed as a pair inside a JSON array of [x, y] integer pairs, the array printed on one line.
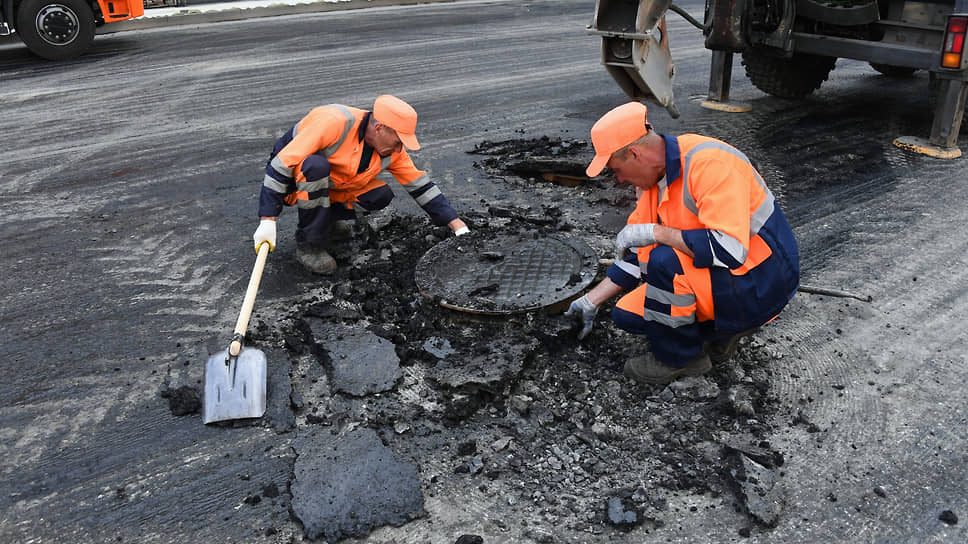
[[461, 231], [585, 310], [636, 235], [265, 233]]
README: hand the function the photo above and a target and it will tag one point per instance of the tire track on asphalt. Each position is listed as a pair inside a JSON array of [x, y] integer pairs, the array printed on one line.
[[885, 386]]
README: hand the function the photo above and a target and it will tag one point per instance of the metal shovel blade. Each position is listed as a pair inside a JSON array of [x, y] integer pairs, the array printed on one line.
[[235, 387]]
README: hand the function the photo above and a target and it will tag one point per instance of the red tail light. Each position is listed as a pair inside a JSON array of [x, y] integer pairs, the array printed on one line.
[[954, 43]]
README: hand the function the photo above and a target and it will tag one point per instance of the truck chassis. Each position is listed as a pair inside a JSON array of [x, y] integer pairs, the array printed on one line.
[[789, 47]]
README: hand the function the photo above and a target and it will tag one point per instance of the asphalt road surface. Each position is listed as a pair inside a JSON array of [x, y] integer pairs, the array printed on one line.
[[128, 191]]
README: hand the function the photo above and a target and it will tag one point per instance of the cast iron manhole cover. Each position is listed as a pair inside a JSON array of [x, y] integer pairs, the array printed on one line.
[[495, 274]]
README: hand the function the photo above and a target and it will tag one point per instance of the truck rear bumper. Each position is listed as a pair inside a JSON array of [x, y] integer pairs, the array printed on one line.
[[874, 52]]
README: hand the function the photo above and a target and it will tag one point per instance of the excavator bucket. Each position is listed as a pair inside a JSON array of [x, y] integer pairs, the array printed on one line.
[[635, 48]]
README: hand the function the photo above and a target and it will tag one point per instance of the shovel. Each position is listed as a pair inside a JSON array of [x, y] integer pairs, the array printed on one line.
[[235, 379]]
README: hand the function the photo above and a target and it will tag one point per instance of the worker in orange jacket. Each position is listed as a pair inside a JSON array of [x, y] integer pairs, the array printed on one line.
[[331, 161], [712, 255]]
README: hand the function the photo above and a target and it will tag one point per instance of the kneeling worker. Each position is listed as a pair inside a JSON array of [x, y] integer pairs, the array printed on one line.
[[330, 161], [713, 255]]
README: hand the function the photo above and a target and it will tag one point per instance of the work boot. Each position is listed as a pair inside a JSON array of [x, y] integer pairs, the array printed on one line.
[[315, 259], [648, 370], [341, 230], [721, 351]]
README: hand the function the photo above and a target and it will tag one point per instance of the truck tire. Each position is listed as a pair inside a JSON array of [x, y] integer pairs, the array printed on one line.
[[893, 71], [56, 29], [793, 77]]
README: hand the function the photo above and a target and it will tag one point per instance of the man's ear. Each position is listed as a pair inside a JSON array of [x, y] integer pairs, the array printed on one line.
[[634, 153]]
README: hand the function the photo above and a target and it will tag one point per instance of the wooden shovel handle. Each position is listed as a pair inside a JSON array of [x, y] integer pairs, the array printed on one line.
[[250, 292]]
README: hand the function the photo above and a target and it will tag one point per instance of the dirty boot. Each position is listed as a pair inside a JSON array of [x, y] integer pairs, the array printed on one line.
[[647, 369], [721, 351], [341, 230], [315, 259]]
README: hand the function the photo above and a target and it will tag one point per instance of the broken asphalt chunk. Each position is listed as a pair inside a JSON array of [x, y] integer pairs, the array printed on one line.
[[622, 513], [948, 517], [362, 362], [438, 347], [499, 366], [348, 485], [757, 490]]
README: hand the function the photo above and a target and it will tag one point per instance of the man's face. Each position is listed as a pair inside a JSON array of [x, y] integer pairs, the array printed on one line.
[[385, 140], [633, 166]]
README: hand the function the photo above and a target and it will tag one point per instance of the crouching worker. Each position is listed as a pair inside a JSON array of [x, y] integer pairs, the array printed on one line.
[[706, 257], [331, 161]]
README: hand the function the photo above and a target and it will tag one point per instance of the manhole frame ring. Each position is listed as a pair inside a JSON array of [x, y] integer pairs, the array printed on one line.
[[585, 253]]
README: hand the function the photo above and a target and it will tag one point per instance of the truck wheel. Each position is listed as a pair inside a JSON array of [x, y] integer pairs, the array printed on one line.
[[56, 29], [893, 71], [793, 77]]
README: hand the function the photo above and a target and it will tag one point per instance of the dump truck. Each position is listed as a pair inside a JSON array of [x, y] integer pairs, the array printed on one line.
[[62, 29], [789, 47]]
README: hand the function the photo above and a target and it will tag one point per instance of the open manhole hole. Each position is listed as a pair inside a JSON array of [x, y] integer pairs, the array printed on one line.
[[495, 274], [552, 159]]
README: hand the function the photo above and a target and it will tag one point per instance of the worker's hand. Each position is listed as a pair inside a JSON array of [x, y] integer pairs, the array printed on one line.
[[585, 310], [635, 235], [459, 227], [266, 233]]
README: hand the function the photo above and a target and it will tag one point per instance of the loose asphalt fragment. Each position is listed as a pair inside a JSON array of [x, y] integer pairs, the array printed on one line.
[[492, 368], [948, 517], [757, 484], [623, 514], [545, 158], [361, 362], [279, 405], [347, 485], [692, 388], [438, 347]]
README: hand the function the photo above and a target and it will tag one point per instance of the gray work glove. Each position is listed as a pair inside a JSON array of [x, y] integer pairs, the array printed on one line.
[[583, 308], [636, 235]]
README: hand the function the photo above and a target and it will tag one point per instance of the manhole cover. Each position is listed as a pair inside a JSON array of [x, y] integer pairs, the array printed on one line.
[[488, 273]]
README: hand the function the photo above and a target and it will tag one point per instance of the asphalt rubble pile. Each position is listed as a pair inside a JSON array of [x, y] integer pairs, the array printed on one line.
[[514, 409]]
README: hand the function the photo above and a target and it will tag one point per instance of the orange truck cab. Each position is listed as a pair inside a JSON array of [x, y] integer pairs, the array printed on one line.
[[62, 29]]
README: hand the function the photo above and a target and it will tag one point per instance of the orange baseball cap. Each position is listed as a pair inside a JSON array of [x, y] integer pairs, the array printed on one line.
[[398, 115], [615, 130]]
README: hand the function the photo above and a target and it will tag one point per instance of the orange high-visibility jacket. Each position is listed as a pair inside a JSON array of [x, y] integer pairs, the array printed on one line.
[[336, 133], [733, 225]]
